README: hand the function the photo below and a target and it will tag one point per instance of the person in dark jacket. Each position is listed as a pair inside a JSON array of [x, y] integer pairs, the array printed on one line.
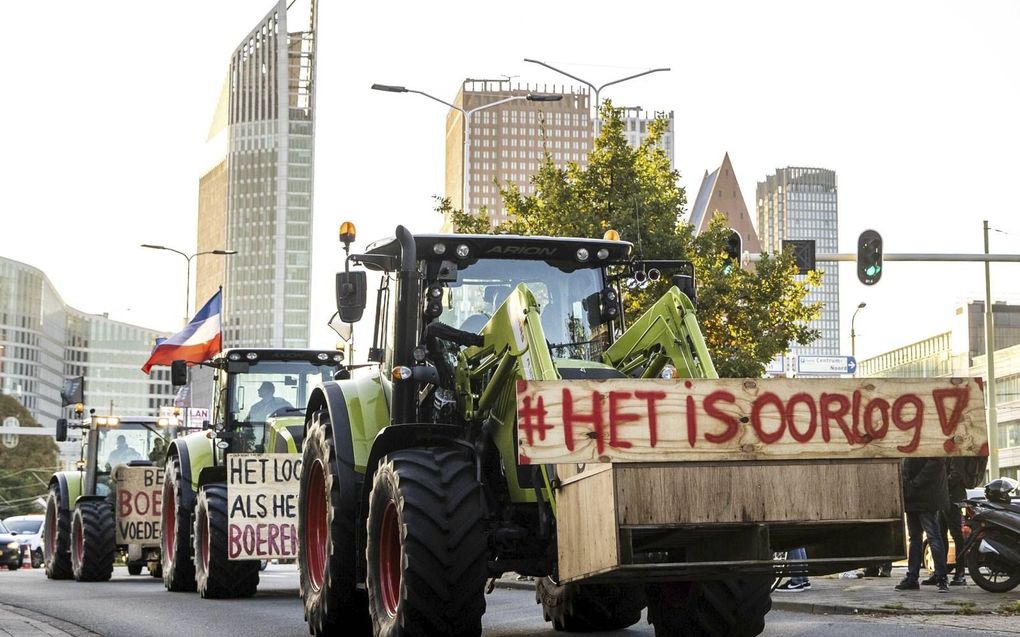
[[950, 518], [925, 493]]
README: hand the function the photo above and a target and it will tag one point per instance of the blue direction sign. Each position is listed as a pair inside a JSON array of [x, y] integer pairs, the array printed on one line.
[[826, 364]]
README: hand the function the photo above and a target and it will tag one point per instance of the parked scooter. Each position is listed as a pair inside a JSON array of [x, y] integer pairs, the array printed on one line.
[[992, 552]]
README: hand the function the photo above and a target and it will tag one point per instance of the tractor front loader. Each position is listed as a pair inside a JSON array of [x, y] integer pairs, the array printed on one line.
[[515, 423], [111, 503]]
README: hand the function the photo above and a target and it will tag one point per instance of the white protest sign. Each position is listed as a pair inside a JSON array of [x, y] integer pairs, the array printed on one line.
[[139, 504], [262, 504]]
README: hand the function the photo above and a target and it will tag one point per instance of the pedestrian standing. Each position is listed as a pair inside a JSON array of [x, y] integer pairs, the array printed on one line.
[[796, 583], [925, 493], [951, 519]]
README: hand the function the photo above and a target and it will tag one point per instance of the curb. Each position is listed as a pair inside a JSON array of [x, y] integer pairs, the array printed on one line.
[[514, 584], [58, 626]]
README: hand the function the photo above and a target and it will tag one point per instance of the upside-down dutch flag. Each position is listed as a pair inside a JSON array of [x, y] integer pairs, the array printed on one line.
[[200, 340]]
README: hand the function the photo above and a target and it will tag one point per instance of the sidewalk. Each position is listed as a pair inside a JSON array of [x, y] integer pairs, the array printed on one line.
[[830, 595], [18, 622]]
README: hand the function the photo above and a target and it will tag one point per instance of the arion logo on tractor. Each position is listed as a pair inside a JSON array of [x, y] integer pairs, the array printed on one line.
[[419, 482], [112, 503], [230, 494]]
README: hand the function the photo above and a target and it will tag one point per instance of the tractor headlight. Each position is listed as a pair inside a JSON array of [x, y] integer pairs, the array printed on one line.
[[338, 357], [12, 545], [582, 254], [251, 356], [439, 248], [234, 356], [668, 372], [322, 356], [463, 250], [602, 254], [401, 373]]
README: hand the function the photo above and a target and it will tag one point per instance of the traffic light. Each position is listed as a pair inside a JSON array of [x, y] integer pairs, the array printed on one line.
[[869, 257], [732, 250]]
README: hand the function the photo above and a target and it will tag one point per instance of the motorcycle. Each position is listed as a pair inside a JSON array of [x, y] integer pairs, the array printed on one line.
[[992, 551]]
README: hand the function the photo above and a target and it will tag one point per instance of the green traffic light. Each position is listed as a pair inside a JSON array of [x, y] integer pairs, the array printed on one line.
[[872, 270]]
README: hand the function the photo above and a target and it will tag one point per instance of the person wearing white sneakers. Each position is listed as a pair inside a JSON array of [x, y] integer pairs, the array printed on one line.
[[797, 583]]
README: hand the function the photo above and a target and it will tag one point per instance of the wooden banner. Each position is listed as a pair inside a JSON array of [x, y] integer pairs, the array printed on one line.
[[631, 420], [262, 499], [139, 504]]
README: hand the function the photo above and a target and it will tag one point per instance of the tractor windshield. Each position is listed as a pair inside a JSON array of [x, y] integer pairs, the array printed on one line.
[[562, 296], [273, 388], [129, 441]]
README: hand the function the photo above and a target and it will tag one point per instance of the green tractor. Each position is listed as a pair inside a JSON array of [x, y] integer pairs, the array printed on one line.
[[417, 485], [257, 421], [111, 503]]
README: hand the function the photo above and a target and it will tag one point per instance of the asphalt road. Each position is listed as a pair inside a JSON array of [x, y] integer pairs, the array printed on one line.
[[138, 606]]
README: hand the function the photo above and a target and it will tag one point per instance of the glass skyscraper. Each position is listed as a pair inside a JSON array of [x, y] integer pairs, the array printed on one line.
[[43, 341], [256, 198], [802, 203]]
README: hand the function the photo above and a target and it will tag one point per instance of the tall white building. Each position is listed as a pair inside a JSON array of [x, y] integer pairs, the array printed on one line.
[[635, 128], [802, 203], [256, 195]]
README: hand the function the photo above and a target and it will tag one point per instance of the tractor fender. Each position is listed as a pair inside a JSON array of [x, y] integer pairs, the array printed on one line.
[[69, 487], [195, 452]]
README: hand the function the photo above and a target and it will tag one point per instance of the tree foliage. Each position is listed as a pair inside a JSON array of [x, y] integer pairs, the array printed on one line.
[[748, 316], [25, 469]]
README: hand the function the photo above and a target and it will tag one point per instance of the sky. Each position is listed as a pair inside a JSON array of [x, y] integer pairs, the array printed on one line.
[[915, 105]]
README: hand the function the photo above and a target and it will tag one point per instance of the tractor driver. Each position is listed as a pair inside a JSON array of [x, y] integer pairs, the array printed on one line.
[[123, 454], [269, 403]]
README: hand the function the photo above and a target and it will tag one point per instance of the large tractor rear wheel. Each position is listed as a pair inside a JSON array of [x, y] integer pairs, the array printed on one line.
[[583, 608], [327, 554], [717, 608], [426, 545], [216, 576], [175, 525], [57, 541], [93, 541]]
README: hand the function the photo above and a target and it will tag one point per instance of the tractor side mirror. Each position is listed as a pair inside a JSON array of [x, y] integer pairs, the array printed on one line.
[[179, 373], [61, 433], [685, 283], [351, 290]]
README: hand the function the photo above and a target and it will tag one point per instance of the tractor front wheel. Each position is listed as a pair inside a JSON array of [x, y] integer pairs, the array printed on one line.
[[57, 539], [583, 608], [93, 541], [135, 569], [217, 576], [426, 545], [732, 607], [327, 557], [175, 544]]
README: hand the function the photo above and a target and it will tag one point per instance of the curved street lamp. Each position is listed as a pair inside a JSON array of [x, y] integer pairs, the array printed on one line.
[[466, 114], [188, 258], [853, 334], [596, 90]]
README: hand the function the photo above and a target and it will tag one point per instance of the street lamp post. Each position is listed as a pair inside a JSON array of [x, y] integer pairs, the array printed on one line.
[[466, 115], [853, 334], [188, 258], [596, 90]]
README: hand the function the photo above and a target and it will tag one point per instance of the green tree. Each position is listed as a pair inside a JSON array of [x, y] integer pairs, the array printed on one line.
[[24, 470], [748, 316]]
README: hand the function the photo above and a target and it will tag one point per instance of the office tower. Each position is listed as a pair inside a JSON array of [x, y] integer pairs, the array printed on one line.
[[635, 128], [256, 195], [802, 203], [508, 142], [43, 341], [721, 192]]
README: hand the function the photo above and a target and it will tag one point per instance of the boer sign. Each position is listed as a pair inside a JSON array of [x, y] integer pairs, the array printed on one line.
[[139, 504], [262, 495], [628, 420]]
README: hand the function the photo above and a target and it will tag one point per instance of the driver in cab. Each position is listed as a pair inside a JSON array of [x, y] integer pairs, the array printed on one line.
[[268, 403], [123, 453]]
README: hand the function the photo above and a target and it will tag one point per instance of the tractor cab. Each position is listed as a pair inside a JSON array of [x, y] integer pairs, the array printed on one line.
[[260, 396], [109, 442]]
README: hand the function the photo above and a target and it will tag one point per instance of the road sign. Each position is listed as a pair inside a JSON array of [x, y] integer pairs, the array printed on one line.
[[826, 364], [10, 440]]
